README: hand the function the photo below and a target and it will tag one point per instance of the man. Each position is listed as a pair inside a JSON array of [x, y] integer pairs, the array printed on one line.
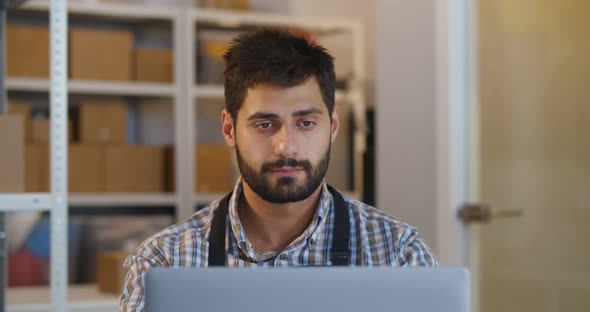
[[281, 119]]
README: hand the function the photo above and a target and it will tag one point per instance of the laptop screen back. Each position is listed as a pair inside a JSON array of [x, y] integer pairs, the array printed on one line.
[[308, 289]]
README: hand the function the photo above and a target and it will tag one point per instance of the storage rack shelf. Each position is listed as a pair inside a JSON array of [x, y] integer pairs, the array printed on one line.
[[183, 91], [94, 87], [83, 297], [118, 200]]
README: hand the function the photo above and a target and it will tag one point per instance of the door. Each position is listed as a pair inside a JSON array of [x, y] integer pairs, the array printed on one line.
[[527, 154]]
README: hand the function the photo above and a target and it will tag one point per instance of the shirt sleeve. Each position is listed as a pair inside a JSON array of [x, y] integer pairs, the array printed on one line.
[[149, 254], [414, 252]]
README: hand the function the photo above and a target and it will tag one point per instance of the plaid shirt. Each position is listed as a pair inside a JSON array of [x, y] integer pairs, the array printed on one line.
[[376, 239]]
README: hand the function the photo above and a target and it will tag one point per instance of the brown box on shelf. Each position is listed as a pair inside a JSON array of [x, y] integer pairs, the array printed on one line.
[[27, 51], [100, 54], [103, 122], [21, 108], [37, 168], [153, 65], [39, 131], [243, 5], [86, 168], [134, 169], [169, 174], [12, 152], [110, 273], [214, 168]]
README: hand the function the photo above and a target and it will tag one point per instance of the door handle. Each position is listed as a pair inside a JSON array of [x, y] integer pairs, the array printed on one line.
[[482, 213]]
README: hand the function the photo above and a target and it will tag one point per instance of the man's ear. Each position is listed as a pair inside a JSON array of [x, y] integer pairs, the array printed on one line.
[[335, 123], [227, 128]]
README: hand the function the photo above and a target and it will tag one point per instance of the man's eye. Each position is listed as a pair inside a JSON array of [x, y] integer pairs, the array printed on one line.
[[264, 125], [307, 124]]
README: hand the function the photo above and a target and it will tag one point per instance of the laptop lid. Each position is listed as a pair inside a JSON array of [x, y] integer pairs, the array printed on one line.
[[308, 289]]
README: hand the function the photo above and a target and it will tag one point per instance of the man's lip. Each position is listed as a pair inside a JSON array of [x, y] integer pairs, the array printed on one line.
[[287, 169]]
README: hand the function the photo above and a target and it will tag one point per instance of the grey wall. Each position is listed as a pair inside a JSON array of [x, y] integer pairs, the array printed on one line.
[[405, 106]]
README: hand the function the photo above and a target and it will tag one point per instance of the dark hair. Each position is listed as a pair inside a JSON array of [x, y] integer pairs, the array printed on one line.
[[277, 57]]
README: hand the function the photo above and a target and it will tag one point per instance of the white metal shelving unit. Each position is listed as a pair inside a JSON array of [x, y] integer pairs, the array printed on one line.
[[185, 93], [87, 297], [118, 88]]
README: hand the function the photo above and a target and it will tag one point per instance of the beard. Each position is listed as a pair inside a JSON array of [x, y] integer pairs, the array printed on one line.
[[285, 189]]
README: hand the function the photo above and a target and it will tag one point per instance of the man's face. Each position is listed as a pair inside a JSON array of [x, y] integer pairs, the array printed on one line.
[[282, 139]]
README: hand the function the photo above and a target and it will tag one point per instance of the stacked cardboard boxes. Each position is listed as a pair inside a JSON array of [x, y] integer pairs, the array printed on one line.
[[213, 166], [36, 149], [94, 54], [117, 167], [100, 162]]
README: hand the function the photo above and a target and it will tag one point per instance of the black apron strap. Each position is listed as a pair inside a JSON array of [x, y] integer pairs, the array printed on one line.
[[341, 235], [217, 233], [340, 252]]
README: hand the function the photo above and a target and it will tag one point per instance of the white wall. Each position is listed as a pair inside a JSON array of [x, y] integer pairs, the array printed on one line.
[[405, 106]]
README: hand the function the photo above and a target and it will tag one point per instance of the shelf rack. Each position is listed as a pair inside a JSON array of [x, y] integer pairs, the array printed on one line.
[[185, 93]]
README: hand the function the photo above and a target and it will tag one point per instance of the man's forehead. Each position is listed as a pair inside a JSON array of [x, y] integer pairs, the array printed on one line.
[[281, 100]]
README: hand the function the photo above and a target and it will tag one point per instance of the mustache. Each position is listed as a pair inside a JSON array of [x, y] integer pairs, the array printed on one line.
[[286, 162]]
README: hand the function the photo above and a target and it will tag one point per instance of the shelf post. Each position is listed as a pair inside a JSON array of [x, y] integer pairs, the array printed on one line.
[[58, 97]]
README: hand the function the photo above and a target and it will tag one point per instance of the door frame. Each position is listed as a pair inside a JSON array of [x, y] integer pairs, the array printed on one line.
[[457, 135], [426, 102]]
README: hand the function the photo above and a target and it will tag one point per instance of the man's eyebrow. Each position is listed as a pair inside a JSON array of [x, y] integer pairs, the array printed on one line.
[[304, 112], [262, 115], [310, 111]]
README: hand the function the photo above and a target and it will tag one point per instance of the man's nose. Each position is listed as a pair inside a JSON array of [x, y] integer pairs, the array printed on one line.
[[285, 142]]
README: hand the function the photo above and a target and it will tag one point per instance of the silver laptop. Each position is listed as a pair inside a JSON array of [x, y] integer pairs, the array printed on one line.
[[308, 289]]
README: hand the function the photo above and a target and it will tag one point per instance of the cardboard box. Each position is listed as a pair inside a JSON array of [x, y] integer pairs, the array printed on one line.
[[134, 168], [12, 144], [110, 273], [85, 168], [103, 122], [153, 65], [37, 168], [169, 170], [39, 131], [23, 109], [213, 166], [243, 5], [86, 164], [100, 54], [27, 51]]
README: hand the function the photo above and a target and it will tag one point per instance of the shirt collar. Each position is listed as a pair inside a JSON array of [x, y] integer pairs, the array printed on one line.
[[321, 214]]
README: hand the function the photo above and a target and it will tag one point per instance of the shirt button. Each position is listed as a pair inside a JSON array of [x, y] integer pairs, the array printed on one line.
[[312, 241], [283, 257]]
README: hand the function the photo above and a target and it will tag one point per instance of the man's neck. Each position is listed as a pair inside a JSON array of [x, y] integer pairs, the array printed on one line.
[[272, 227]]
